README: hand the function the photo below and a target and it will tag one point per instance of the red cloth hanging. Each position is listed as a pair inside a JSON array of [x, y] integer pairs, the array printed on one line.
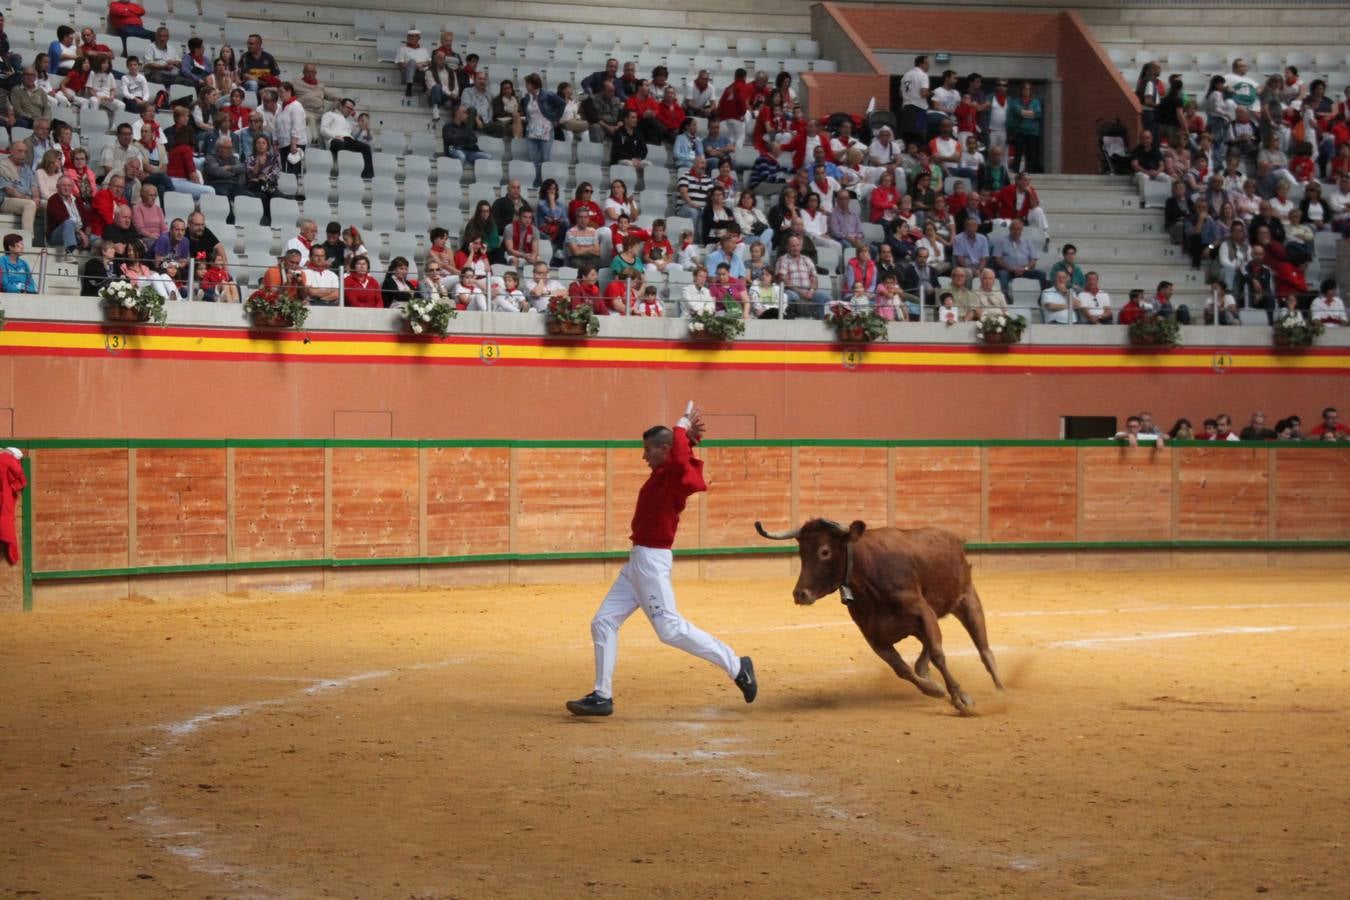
[[12, 483]]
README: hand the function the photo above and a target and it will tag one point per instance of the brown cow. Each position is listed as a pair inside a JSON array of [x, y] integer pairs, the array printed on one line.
[[896, 583]]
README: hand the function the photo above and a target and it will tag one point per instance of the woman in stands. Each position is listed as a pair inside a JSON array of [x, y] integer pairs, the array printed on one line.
[[396, 287], [360, 288], [1025, 117], [784, 216], [937, 248], [223, 81], [1316, 211], [1171, 115], [1148, 88], [817, 223], [133, 267], [260, 178], [884, 200], [506, 109], [619, 203], [86, 183], [165, 280], [1272, 166], [921, 193], [481, 226], [572, 122], [227, 56], [1247, 203], [182, 171], [204, 113], [1219, 113], [753, 223], [716, 217], [582, 199], [551, 214], [48, 173], [101, 268], [726, 179], [1234, 255], [103, 88]]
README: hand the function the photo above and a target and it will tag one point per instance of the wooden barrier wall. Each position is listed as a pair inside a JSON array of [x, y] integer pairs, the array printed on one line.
[[114, 517]]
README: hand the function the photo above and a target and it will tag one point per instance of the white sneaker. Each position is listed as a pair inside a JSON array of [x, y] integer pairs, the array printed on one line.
[[435, 114]]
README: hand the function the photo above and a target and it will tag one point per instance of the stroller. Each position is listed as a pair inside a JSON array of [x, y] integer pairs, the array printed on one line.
[[1113, 147]]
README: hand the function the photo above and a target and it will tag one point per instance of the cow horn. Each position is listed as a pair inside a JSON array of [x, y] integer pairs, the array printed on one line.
[[778, 535]]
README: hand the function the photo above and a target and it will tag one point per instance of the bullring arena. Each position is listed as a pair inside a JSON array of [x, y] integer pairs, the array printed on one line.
[[293, 593]]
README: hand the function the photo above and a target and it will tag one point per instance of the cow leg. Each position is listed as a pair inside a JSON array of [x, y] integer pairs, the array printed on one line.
[[931, 635], [921, 664], [970, 613], [892, 658]]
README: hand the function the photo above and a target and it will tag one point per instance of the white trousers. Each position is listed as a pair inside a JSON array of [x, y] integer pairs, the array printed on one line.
[[644, 582]]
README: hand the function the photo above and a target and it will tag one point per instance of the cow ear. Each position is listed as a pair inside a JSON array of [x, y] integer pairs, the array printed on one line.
[[856, 530]]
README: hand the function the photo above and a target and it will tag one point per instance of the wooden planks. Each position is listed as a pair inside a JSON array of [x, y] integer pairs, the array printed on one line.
[[1127, 494], [560, 500], [1033, 494], [374, 493], [180, 506], [938, 486], [468, 500], [842, 483], [80, 509], [746, 484], [278, 503], [1222, 493], [1312, 495]]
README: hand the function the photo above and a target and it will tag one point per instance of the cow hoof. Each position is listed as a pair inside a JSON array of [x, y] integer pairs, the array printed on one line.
[[931, 688], [964, 705]]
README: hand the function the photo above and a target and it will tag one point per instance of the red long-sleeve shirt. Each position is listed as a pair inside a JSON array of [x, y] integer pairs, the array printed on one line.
[[663, 496]]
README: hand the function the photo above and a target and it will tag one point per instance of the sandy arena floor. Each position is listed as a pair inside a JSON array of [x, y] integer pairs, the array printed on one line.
[[1190, 737]]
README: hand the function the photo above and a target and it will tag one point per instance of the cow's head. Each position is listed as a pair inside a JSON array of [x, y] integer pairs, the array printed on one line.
[[824, 549]]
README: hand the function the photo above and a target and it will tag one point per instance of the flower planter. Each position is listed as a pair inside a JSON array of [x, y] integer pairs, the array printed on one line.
[[998, 337], [853, 335], [265, 321], [555, 326], [114, 313]]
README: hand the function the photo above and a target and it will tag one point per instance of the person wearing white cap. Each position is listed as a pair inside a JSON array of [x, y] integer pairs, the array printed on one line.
[[411, 59]]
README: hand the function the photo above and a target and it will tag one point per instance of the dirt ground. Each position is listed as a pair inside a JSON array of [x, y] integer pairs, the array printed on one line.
[[1171, 734]]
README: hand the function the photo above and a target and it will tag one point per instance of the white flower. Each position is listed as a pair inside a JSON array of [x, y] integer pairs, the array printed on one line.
[[416, 329], [696, 326], [129, 302], [426, 317]]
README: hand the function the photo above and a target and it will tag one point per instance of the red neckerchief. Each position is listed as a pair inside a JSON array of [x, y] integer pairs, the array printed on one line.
[[305, 242], [308, 80]]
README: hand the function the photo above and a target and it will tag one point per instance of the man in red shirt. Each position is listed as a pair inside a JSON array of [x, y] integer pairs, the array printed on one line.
[[1330, 425], [647, 107], [644, 582], [734, 104]]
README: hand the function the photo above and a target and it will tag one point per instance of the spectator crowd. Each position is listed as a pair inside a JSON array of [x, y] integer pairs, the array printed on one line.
[[1141, 429]]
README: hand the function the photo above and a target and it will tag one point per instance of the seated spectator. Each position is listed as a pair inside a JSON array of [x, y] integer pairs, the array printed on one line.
[[1133, 434], [692, 190], [1146, 161], [717, 217], [460, 140], [472, 254], [970, 249], [1257, 430], [470, 290], [120, 232], [796, 272], [1093, 305], [412, 59], [16, 276], [604, 111], [890, 302], [1019, 201], [68, 217], [217, 284], [845, 226], [1219, 428], [657, 252], [360, 288], [223, 171], [582, 200], [571, 122], [1058, 299], [583, 241], [627, 146], [1327, 307], [1222, 303], [987, 297], [397, 286], [165, 279], [510, 298], [1330, 428], [101, 268], [1200, 233], [585, 291], [321, 282], [1014, 257], [542, 288], [729, 251], [1135, 308], [521, 240], [182, 170], [1068, 262], [195, 66], [507, 121], [1289, 310], [697, 297], [767, 298], [701, 98], [336, 130]]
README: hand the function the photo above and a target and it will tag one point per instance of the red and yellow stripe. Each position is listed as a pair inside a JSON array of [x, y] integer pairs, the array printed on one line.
[[57, 339]]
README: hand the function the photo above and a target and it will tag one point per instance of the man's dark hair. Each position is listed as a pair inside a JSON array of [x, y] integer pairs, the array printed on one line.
[[126, 125], [741, 73], [438, 233], [1214, 422], [1328, 284], [659, 433], [1066, 248], [1223, 417], [1327, 410], [1136, 293], [1129, 419], [1163, 285], [472, 57], [659, 71], [133, 57], [921, 59]]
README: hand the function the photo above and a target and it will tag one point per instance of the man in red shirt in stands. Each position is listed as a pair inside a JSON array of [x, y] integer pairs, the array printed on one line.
[[124, 20], [1330, 425], [644, 582], [734, 104]]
